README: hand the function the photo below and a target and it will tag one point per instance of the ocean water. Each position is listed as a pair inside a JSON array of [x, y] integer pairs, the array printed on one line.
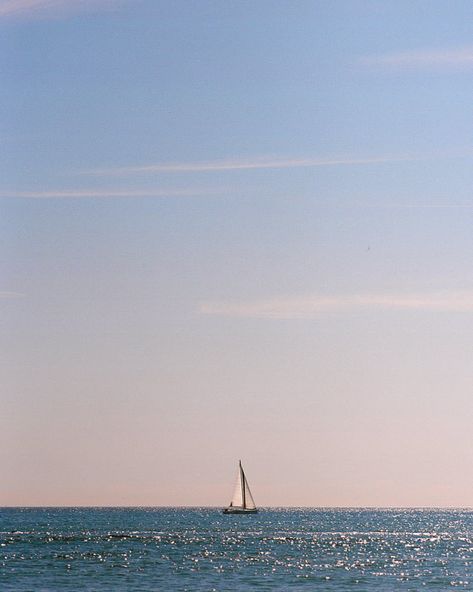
[[175, 549]]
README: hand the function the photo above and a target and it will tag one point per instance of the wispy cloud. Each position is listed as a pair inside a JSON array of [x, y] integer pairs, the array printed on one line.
[[51, 8], [4, 294], [267, 162], [447, 58], [205, 192], [314, 306], [105, 193], [406, 205], [255, 163]]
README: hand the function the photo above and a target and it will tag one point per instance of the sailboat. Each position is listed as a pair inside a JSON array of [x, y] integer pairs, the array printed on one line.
[[242, 501]]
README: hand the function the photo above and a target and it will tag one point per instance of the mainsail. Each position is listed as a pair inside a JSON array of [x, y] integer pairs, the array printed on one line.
[[242, 498]]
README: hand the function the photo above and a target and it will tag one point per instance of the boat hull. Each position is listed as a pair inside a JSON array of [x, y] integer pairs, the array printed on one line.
[[240, 511]]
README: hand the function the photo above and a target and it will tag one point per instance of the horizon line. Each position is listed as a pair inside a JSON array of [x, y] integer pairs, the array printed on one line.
[[212, 507]]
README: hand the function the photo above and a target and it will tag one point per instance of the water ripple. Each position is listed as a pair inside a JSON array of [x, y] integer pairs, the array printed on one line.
[[200, 549]]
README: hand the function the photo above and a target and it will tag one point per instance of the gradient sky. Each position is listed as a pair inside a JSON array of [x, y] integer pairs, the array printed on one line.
[[236, 230]]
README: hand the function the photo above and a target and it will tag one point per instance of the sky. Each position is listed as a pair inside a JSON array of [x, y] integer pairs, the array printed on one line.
[[236, 230]]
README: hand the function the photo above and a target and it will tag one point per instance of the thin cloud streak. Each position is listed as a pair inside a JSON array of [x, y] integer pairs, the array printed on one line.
[[455, 58], [21, 7], [255, 164], [28, 8], [105, 193], [310, 307], [205, 192], [4, 294], [407, 206]]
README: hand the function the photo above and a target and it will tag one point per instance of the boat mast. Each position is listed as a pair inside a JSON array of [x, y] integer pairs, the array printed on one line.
[[242, 479]]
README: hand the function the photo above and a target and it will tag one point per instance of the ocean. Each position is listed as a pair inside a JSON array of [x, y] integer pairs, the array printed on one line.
[[200, 549]]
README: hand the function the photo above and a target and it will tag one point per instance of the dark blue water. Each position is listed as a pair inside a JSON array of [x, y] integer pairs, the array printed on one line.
[[202, 550]]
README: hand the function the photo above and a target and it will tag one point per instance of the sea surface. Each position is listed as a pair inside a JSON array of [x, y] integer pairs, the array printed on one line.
[[200, 549]]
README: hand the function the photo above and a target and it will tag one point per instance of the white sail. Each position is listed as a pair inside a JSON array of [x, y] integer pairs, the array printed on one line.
[[249, 501], [237, 499], [242, 498]]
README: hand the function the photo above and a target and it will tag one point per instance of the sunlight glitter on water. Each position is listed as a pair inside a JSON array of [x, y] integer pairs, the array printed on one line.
[[183, 549]]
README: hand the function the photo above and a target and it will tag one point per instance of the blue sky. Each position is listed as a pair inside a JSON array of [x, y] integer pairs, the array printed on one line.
[[236, 230]]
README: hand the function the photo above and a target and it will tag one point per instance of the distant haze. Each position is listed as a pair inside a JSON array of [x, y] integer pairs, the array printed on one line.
[[236, 231]]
